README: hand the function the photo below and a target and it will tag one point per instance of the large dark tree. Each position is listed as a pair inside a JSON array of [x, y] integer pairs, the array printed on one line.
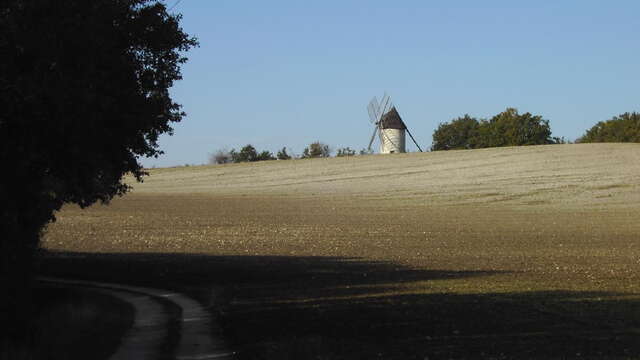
[[84, 94]]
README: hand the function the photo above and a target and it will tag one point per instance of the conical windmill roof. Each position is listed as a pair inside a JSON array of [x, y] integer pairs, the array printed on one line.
[[392, 120]]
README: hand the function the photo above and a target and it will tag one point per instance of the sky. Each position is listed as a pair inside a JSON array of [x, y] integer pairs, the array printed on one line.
[[287, 73]]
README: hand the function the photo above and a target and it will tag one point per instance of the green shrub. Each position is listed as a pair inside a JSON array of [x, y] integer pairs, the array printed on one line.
[[347, 151], [316, 150], [283, 155], [249, 154]]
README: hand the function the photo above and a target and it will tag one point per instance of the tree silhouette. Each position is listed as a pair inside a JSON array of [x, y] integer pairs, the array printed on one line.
[[84, 92]]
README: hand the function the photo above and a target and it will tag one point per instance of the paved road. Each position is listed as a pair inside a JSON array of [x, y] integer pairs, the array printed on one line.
[[150, 331]]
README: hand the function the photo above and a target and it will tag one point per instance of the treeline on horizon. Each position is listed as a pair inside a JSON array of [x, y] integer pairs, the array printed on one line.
[[508, 128], [248, 153]]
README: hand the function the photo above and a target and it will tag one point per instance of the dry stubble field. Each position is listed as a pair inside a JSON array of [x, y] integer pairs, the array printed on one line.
[[528, 252]]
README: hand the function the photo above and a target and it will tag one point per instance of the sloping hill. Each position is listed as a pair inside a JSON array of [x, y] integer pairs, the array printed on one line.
[[582, 174], [528, 252]]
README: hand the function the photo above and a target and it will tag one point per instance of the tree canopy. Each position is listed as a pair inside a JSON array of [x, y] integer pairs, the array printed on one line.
[[460, 133], [508, 128], [84, 88], [622, 128]]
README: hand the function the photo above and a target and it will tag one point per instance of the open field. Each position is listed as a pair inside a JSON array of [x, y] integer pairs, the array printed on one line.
[[522, 252]]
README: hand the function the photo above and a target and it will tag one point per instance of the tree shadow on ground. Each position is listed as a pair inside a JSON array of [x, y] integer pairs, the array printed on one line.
[[278, 307]]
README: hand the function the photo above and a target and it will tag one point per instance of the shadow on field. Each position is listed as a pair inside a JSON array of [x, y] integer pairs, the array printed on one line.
[[275, 307]]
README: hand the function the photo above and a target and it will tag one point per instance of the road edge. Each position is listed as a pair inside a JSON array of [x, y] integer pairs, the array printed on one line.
[[197, 340]]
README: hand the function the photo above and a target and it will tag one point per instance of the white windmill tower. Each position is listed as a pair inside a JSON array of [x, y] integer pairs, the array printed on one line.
[[389, 126]]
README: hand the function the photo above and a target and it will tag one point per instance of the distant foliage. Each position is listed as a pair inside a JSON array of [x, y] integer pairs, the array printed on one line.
[[512, 129], [364, 151], [283, 155], [346, 151], [509, 128], [560, 140], [221, 156], [265, 155], [622, 128], [316, 150], [249, 154], [460, 133]]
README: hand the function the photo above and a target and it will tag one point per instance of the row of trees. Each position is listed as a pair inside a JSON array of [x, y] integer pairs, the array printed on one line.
[[248, 153], [510, 128]]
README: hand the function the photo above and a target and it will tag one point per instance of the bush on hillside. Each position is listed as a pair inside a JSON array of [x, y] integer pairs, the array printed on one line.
[[316, 150], [346, 151], [622, 128], [283, 155], [248, 153], [265, 155]]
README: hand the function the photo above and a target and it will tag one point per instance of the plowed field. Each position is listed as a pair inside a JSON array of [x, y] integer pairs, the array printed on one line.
[[527, 252]]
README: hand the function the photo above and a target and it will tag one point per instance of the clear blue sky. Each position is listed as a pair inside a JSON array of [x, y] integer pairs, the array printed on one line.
[[286, 73]]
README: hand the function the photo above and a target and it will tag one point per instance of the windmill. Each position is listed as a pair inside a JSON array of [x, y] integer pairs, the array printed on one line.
[[388, 125]]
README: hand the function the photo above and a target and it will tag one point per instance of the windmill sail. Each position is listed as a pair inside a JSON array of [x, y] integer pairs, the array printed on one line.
[[374, 108]]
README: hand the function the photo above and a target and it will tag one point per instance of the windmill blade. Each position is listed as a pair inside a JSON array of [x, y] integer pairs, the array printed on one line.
[[373, 137], [414, 140], [388, 105], [373, 108], [384, 106], [385, 100]]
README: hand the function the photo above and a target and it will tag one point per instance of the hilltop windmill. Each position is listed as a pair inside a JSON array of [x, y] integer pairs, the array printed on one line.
[[389, 126]]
